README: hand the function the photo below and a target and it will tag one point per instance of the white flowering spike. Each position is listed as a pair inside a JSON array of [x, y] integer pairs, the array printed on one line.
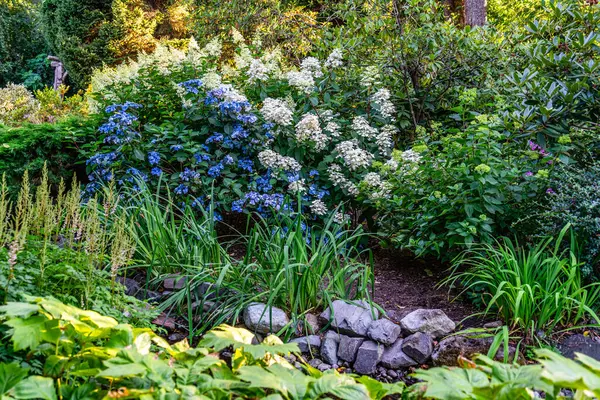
[[312, 66], [297, 186], [277, 111], [211, 80], [339, 179], [237, 36], [258, 71], [213, 48], [354, 157], [309, 130], [361, 126], [385, 139], [276, 161], [340, 218], [370, 77], [386, 108], [335, 59], [333, 129], [317, 207], [301, 80]]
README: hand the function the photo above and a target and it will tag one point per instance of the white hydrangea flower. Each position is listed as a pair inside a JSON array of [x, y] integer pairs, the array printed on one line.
[[244, 59], [411, 156], [335, 59], [273, 160], [258, 71], [318, 207], [194, 54], [333, 129], [354, 157], [385, 139], [381, 99], [312, 66], [277, 111], [361, 126], [231, 94], [327, 115], [377, 187], [339, 179], [213, 48], [211, 80], [308, 129], [341, 218], [391, 164], [297, 186], [370, 76], [301, 80], [236, 36]]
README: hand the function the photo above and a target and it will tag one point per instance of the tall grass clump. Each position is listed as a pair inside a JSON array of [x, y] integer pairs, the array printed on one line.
[[533, 289]]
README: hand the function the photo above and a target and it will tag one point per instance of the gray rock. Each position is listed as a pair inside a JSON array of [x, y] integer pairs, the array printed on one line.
[[450, 349], [131, 286], [315, 362], [349, 347], [175, 283], [418, 346], [384, 331], [323, 367], [493, 325], [308, 344], [580, 344], [261, 318], [367, 358], [350, 319], [433, 322], [329, 347], [394, 357], [392, 373]]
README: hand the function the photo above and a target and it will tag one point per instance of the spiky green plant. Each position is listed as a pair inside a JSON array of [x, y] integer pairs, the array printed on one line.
[[531, 288]]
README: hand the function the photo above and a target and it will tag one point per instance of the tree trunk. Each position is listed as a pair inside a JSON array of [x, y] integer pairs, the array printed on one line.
[[474, 12]]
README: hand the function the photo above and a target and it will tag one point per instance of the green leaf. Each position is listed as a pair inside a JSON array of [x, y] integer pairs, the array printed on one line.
[[10, 375], [28, 332], [35, 387], [124, 370]]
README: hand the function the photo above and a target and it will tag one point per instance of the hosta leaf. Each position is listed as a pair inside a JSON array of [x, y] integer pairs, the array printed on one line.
[[35, 387], [342, 386], [291, 382]]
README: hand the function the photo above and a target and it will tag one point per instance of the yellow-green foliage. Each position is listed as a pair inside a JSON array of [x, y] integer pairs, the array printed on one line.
[[17, 104]]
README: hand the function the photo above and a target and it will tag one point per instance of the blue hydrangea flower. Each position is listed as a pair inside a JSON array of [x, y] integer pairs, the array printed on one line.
[[192, 85], [156, 171], [228, 160], [215, 170], [177, 147], [182, 189], [153, 158], [246, 164]]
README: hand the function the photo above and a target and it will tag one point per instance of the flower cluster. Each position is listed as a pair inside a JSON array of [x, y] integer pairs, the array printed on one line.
[[273, 160], [277, 111], [308, 130], [353, 156]]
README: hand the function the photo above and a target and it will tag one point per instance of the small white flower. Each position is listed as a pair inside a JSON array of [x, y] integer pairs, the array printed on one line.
[[273, 160], [341, 218], [237, 36], [381, 99], [338, 179], [333, 129], [258, 71], [354, 157], [411, 156], [301, 80], [211, 80], [308, 129], [385, 139], [277, 111], [361, 126], [297, 186], [335, 59], [213, 48], [318, 207], [370, 77], [312, 66]]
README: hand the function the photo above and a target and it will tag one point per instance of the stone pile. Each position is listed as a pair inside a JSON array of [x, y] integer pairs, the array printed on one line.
[[359, 338]]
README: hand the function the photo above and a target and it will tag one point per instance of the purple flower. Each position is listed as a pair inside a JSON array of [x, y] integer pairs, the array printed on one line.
[[528, 173], [550, 191]]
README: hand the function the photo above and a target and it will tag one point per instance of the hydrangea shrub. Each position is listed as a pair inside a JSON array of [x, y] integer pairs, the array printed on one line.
[[251, 134]]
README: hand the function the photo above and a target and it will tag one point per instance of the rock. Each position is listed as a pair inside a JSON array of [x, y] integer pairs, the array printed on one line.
[[433, 322], [418, 346], [349, 347], [148, 295], [329, 347], [350, 319], [384, 331], [323, 367], [395, 357], [164, 321], [175, 283], [259, 317], [367, 357], [493, 325], [309, 325], [450, 349], [315, 362], [131, 286], [308, 344], [393, 374], [580, 344], [297, 365], [176, 337]]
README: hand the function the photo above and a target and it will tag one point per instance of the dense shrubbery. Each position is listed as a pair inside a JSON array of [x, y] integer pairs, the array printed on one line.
[[251, 143], [31, 146]]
